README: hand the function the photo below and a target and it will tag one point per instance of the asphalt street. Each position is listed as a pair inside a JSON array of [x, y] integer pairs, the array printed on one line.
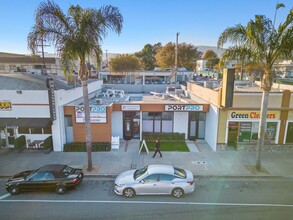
[[214, 198]]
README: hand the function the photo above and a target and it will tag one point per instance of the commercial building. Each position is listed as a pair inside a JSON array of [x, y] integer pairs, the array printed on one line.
[[28, 107], [224, 116], [237, 122], [156, 76]]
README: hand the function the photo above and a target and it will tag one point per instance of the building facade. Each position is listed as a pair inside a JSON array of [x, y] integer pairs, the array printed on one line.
[[26, 108]]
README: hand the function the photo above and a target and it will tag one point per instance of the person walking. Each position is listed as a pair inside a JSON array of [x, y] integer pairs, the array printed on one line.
[[157, 148]]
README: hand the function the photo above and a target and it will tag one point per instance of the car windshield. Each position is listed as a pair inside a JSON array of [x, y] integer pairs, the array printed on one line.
[[32, 173], [179, 172], [67, 170], [139, 172]]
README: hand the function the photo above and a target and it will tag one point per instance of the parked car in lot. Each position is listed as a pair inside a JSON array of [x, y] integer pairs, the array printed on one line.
[[155, 179], [56, 177]]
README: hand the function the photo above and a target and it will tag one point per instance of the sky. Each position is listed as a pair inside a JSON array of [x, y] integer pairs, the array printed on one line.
[[199, 22]]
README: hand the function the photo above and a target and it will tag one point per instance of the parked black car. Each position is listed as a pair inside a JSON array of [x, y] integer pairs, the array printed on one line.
[[56, 177]]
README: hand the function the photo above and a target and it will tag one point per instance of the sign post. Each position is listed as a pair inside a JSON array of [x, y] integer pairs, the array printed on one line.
[[143, 144]]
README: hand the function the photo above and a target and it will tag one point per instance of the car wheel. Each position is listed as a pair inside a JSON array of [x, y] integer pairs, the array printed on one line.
[[177, 192], [129, 192], [60, 189], [13, 189]]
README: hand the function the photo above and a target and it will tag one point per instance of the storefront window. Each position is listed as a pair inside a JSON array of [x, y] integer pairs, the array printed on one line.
[[157, 122], [248, 131], [289, 137], [271, 131], [147, 122], [245, 132]]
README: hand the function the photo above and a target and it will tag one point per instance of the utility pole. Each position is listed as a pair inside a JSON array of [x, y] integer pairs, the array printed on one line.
[[176, 56], [42, 45], [107, 58], [107, 66]]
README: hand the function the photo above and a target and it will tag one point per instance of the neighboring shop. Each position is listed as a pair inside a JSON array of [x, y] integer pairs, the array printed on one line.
[[18, 121], [242, 127], [32, 105]]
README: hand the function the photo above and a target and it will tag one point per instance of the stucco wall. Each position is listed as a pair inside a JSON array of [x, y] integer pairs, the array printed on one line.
[[101, 132], [223, 117], [29, 104], [253, 100], [204, 93], [211, 127]]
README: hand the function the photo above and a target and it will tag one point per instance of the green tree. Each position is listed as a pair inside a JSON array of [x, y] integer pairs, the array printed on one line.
[[253, 69], [187, 55], [261, 43], [209, 54], [147, 56], [212, 62], [165, 57], [124, 63], [76, 35], [211, 59]]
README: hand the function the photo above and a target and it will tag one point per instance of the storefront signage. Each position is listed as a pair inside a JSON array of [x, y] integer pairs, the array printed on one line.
[[51, 94], [5, 105], [183, 107], [252, 115], [130, 107], [98, 114]]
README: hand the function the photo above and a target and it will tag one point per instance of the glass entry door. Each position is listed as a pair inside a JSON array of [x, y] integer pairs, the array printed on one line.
[[131, 125]]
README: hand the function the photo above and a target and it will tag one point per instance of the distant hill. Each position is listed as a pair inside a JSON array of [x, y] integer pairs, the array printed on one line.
[[203, 49]]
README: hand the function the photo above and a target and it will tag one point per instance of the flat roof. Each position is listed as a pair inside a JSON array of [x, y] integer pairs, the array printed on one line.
[[28, 81], [141, 98]]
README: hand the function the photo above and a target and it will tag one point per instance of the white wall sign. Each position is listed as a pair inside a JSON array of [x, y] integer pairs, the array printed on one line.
[[189, 108], [130, 107], [98, 114]]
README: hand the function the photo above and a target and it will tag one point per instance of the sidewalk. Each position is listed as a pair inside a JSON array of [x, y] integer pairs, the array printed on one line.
[[201, 163]]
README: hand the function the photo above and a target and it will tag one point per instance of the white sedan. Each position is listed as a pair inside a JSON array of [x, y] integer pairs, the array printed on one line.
[[155, 180]]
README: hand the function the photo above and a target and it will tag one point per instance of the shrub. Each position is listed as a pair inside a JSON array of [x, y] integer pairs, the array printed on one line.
[[48, 143], [163, 136], [20, 143], [285, 81], [81, 147]]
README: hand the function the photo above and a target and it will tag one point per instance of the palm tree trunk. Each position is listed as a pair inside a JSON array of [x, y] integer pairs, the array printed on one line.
[[88, 130], [262, 127]]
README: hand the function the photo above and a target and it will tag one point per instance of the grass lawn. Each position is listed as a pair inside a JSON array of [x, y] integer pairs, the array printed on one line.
[[168, 146]]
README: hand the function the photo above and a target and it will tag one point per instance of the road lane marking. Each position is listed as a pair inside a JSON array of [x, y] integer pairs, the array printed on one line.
[[4, 196], [151, 202]]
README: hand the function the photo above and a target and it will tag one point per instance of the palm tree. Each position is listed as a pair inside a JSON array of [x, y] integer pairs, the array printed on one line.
[[76, 35], [261, 43]]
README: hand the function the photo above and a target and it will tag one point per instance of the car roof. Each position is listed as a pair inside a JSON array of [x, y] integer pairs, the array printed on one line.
[[160, 168], [56, 168]]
